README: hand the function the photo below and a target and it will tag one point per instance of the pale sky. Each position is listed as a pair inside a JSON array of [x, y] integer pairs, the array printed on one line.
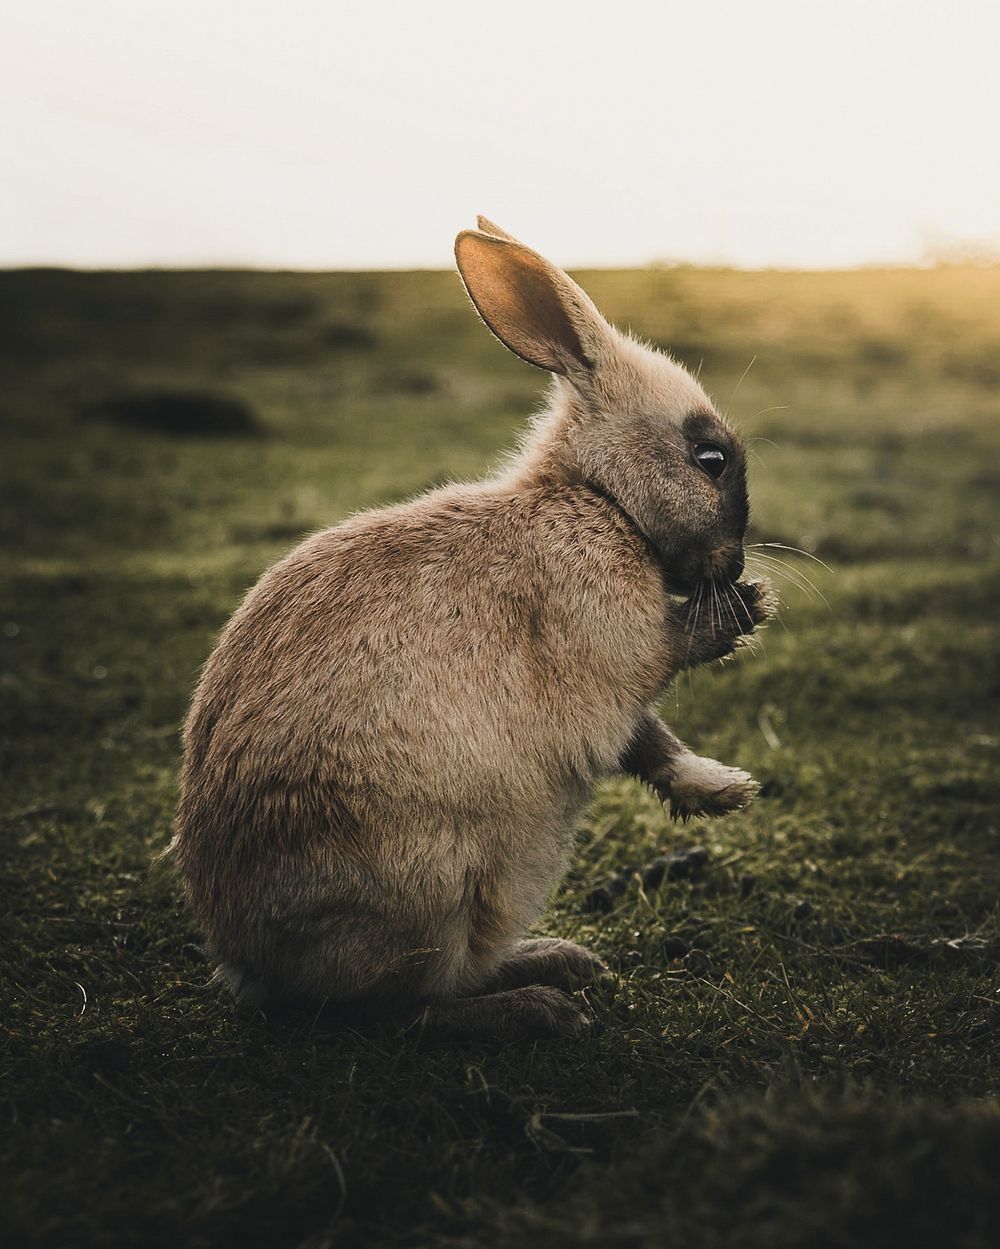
[[348, 134]]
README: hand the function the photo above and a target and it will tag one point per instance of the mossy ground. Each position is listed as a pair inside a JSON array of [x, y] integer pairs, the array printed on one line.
[[806, 1083]]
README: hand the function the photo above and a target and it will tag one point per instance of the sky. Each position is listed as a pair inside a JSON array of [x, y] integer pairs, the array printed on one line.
[[365, 134]]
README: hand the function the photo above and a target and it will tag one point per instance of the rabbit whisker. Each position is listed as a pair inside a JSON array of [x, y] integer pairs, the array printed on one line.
[[713, 599], [781, 567], [790, 574], [736, 607], [693, 622], [742, 376], [692, 628], [765, 570], [796, 550]]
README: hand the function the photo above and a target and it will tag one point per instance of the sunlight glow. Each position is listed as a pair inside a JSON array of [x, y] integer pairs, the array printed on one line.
[[351, 135]]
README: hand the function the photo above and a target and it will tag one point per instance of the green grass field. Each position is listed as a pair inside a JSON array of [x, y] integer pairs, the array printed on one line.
[[822, 1070]]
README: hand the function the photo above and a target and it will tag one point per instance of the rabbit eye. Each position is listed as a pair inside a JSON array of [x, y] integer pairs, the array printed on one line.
[[710, 457]]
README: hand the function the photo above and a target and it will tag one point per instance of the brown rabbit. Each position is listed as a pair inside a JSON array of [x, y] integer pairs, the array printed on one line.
[[389, 747]]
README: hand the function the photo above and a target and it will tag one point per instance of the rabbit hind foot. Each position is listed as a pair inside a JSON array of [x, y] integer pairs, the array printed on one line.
[[532, 1012]]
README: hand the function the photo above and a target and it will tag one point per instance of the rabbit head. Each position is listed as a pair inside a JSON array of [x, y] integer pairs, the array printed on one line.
[[627, 419]]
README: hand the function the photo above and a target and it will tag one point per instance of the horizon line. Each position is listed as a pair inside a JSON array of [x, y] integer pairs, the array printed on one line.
[[986, 260]]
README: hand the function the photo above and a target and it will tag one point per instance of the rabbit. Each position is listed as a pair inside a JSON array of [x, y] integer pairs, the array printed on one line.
[[389, 747]]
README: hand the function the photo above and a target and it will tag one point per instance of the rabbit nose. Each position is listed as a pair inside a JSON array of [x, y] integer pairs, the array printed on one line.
[[725, 562]]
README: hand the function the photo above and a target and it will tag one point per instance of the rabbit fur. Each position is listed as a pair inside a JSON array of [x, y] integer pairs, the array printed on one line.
[[388, 749]]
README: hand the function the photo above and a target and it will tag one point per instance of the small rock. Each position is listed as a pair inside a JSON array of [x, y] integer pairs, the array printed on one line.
[[678, 865], [599, 899], [887, 950], [697, 963], [654, 872], [602, 898], [625, 874], [687, 863]]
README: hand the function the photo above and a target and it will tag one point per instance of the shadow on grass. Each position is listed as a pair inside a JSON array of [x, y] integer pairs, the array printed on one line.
[[181, 413]]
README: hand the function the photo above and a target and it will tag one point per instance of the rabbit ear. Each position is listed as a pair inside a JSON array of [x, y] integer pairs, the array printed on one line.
[[490, 227], [531, 306]]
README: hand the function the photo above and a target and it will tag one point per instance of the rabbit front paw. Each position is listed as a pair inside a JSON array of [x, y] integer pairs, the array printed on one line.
[[752, 602], [699, 786], [715, 622]]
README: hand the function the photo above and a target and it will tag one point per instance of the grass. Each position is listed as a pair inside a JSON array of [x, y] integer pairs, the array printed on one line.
[[801, 1049]]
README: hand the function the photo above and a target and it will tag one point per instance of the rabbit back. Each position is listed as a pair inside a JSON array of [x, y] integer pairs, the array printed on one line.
[[388, 748]]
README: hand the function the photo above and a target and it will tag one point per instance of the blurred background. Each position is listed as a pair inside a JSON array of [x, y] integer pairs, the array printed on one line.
[[333, 135], [228, 317]]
